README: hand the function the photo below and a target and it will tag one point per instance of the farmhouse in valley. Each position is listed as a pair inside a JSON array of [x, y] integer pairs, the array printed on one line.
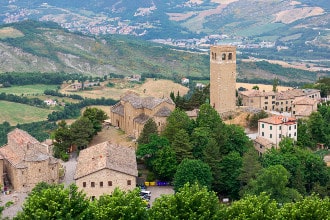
[[133, 111], [272, 130], [103, 167], [27, 162]]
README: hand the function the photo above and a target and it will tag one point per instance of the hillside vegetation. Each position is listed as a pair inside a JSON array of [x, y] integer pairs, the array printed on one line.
[[46, 47]]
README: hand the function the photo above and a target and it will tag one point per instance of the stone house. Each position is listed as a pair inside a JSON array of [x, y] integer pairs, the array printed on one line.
[[276, 101], [103, 167], [27, 162], [133, 111], [302, 107], [272, 130]]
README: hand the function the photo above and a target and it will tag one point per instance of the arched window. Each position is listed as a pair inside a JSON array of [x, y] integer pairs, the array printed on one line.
[[230, 56], [223, 56]]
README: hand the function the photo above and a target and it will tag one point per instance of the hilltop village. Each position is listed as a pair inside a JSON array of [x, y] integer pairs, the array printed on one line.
[[103, 167]]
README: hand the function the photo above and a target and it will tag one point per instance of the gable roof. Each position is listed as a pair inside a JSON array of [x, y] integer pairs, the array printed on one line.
[[144, 102], [22, 148], [304, 101], [106, 156]]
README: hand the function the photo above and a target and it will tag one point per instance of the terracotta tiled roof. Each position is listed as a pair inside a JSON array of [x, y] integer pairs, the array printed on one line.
[[22, 148], [278, 119], [106, 156]]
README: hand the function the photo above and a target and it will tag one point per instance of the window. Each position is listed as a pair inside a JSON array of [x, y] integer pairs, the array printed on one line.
[[84, 184], [273, 102], [223, 56], [266, 97], [262, 134], [273, 97], [295, 126], [289, 128], [262, 125], [158, 123], [230, 56], [101, 184], [92, 184], [270, 127], [266, 103], [39, 170], [279, 136], [286, 102], [295, 134], [280, 127], [109, 183], [270, 136], [289, 135], [129, 182], [93, 198]]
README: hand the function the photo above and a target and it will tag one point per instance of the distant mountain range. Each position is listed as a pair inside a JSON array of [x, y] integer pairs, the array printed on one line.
[[281, 29]]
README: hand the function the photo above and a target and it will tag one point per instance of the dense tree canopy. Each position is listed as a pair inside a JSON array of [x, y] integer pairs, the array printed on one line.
[[190, 202], [55, 202], [191, 171]]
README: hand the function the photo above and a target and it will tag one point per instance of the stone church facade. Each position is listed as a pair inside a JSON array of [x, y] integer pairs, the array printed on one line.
[[26, 162], [223, 78], [133, 111]]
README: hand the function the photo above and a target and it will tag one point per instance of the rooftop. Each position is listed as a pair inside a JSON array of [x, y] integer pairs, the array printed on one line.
[[278, 119], [106, 156]]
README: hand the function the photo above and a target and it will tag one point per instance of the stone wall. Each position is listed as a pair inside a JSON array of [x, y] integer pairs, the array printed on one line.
[[105, 176]]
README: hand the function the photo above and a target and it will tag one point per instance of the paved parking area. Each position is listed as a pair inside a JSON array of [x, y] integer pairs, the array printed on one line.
[[157, 191]]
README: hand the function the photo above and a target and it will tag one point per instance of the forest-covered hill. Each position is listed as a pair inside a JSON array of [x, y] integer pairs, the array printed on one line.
[[32, 46]]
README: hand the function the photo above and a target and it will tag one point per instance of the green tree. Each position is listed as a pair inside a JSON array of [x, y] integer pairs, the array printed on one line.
[[149, 128], [190, 202], [230, 169], [148, 151], [82, 132], [191, 171], [236, 140], [199, 140], [55, 202], [96, 116], [275, 84], [63, 139], [250, 167], [304, 137], [251, 207], [164, 165], [274, 180], [311, 207], [175, 122], [209, 118], [119, 205], [182, 146], [317, 127]]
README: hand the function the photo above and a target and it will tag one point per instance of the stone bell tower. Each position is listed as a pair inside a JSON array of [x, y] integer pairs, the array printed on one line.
[[223, 78]]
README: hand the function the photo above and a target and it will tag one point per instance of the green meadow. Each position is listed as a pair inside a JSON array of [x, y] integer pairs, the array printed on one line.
[[15, 113], [27, 89]]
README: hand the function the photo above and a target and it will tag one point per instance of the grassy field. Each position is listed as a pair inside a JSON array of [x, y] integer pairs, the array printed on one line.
[[28, 89], [9, 32], [15, 113], [155, 88]]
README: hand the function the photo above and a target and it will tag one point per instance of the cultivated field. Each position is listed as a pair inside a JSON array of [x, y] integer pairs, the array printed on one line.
[[15, 113], [156, 88], [262, 87]]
